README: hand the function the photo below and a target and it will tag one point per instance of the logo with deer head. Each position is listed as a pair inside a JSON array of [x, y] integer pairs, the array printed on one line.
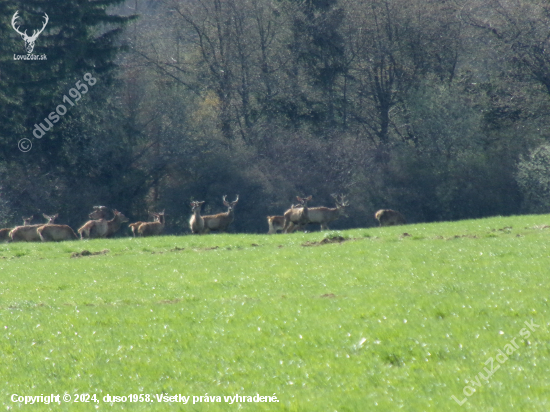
[[29, 40]]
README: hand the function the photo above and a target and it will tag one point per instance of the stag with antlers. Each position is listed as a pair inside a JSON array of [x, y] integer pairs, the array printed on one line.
[[29, 40], [221, 221]]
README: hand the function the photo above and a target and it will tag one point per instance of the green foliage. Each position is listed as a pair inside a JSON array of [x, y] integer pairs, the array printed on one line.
[[356, 319], [533, 178]]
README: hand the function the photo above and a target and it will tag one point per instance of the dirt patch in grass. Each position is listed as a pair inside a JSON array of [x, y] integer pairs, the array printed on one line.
[[170, 302], [88, 253], [326, 241]]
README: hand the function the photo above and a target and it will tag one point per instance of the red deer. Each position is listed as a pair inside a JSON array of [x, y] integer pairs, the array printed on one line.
[[276, 223], [102, 228], [100, 212], [296, 217], [5, 233], [325, 215], [28, 232], [152, 228], [56, 233], [221, 221], [134, 227], [388, 217], [196, 223]]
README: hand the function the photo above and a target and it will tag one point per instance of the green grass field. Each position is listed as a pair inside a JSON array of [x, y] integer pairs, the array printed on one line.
[[388, 319]]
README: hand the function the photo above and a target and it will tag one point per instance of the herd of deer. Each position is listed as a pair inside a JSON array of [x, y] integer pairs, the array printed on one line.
[[295, 218]]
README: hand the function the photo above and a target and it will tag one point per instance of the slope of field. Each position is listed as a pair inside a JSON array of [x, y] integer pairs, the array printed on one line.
[[399, 318]]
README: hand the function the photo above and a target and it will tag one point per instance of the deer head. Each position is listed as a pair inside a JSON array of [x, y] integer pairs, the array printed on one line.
[[50, 219], [29, 40], [230, 206], [341, 203]]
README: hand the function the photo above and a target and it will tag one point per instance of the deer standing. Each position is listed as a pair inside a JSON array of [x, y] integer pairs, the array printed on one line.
[[295, 217], [134, 227], [28, 232], [325, 215], [221, 221], [152, 228], [102, 228], [388, 217], [276, 223], [196, 223]]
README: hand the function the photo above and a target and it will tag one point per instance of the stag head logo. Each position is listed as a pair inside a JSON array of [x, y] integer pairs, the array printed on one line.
[[29, 40]]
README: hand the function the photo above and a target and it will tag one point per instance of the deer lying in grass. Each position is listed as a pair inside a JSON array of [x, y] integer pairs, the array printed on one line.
[[388, 217], [152, 228], [296, 217], [325, 215], [276, 224], [102, 228], [55, 233], [221, 221], [196, 223], [28, 232], [5, 233]]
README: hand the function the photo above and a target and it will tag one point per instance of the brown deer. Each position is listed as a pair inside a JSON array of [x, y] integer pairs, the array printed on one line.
[[5, 233], [388, 217], [55, 233], [196, 223], [102, 228], [295, 216], [221, 221], [325, 215], [28, 232], [152, 228], [276, 224], [134, 227], [100, 212]]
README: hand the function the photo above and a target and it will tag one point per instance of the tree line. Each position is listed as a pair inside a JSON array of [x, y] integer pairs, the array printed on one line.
[[437, 109]]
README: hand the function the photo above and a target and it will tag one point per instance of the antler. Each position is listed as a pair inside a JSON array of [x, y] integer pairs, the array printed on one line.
[[14, 18], [35, 34]]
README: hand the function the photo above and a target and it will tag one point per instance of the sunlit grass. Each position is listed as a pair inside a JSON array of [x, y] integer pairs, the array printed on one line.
[[367, 319]]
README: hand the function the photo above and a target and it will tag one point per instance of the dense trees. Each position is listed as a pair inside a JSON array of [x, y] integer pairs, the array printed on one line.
[[433, 108]]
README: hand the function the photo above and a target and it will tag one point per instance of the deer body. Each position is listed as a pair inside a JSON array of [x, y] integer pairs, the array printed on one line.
[[134, 227], [221, 221], [276, 223], [28, 232], [196, 223], [56, 233], [152, 228], [297, 216], [102, 228], [325, 215], [388, 217]]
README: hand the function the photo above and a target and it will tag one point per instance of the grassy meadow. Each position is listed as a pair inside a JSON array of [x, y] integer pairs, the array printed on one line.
[[387, 319]]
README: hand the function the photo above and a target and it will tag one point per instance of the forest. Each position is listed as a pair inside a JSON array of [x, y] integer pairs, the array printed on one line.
[[436, 108]]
